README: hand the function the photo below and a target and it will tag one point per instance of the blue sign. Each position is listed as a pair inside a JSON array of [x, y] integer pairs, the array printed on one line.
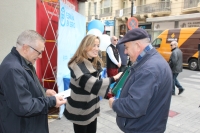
[[71, 30], [109, 22]]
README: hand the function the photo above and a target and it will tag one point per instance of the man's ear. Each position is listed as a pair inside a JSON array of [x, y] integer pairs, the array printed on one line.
[[25, 48], [138, 44]]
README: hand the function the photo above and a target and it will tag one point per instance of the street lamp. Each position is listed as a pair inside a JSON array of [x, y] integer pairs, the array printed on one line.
[[132, 5]]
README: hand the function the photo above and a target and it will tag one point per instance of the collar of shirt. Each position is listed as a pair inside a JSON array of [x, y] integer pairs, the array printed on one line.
[[27, 62], [143, 53], [113, 45], [173, 49]]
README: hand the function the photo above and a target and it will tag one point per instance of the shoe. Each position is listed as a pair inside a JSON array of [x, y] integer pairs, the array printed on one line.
[[180, 91]]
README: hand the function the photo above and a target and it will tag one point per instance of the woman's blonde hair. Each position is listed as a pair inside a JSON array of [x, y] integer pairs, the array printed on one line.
[[81, 53]]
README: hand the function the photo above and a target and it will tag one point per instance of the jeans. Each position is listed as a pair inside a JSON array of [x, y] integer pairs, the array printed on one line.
[[176, 83]]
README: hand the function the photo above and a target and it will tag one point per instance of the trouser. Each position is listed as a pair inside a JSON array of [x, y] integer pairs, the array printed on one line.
[[122, 68], [90, 128], [176, 83], [112, 72]]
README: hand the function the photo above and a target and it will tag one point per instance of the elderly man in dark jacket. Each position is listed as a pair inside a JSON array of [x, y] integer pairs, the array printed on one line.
[[23, 101], [143, 105], [176, 64]]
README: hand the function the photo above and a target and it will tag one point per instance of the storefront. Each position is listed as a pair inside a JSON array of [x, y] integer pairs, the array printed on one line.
[[159, 27], [147, 27], [109, 27], [122, 29], [159, 24], [189, 23]]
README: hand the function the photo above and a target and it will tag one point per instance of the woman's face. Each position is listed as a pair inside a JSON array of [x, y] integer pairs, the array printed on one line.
[[93, 52]]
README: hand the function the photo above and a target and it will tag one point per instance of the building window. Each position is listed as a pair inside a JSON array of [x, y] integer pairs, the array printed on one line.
[[124, 4], [122, 29], [142, 2], [95, 8], [89, 8], [106, 6]]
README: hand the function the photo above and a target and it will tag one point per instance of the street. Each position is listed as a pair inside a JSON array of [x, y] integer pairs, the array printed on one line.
[[186, 105], [184, 116]]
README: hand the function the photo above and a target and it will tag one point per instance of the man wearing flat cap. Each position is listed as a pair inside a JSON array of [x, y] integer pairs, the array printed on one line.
[[143, 105]]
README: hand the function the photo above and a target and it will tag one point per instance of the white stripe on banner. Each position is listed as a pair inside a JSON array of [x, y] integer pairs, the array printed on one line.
[[71, 30]]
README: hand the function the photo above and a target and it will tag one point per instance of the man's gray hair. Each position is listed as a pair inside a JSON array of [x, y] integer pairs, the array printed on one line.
[[145, 40], [111, 38], [175, 43], [29, 37]]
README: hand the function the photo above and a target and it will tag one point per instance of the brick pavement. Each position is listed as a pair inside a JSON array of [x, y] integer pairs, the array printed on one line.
[[186, 121]]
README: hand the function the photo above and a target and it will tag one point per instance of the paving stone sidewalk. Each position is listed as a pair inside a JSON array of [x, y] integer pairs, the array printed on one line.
[[185, 106]]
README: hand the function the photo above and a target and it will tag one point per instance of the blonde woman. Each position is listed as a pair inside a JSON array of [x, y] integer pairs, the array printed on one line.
[[86, 87]]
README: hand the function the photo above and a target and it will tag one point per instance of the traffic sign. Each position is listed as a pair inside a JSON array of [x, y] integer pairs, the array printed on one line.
[[132, 23]]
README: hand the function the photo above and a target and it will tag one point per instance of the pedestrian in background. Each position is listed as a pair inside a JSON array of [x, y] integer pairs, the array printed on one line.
[[123, 56], [176, 64], [24, 103], [144, 103], [113, 60], [83, 105]]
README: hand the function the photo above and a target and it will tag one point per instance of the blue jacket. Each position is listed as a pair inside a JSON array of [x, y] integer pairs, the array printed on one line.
[[121, 49], [144, 102]]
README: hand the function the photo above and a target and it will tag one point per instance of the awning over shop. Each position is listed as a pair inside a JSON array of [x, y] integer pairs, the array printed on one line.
[[175, 18]]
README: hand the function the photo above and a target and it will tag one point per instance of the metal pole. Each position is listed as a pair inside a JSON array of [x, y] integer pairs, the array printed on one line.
[[132, 4]]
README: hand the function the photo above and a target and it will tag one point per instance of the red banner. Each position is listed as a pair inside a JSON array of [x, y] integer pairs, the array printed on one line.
[[47, 25]]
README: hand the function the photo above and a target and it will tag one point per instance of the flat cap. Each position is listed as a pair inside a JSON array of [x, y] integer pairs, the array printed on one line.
[[133, 35]]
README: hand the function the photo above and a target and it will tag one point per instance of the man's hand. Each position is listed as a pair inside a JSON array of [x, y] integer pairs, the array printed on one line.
[[111, 101], [60, 101], [50, 92]]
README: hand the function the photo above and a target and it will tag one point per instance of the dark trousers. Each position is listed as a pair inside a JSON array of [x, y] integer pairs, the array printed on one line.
[[90, 128], [122, 68], [176, 83]]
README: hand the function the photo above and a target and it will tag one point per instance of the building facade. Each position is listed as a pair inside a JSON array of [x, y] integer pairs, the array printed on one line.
[[14, 20], [153, 15]]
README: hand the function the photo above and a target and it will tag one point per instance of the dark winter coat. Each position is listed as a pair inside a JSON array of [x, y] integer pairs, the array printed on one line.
[[23, 106], [176, 60], [144, 102]]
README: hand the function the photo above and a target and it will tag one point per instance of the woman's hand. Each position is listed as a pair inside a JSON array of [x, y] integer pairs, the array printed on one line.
[[116, 77]]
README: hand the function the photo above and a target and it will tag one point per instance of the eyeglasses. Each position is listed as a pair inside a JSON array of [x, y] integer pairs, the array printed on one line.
[[35, 50], [115, 40]]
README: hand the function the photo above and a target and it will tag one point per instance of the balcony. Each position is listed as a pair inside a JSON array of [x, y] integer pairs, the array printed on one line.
[[92, 17], [154, 9], [190, 6], [106, 12], [123, 12], [148, 10]]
